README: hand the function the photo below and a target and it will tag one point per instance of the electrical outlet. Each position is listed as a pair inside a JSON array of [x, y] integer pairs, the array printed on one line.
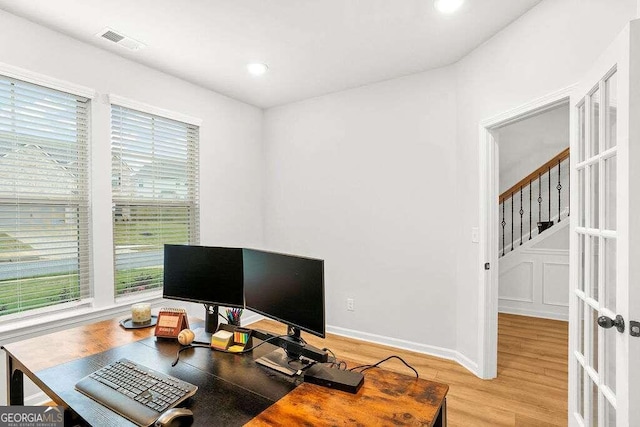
[[350, 306]]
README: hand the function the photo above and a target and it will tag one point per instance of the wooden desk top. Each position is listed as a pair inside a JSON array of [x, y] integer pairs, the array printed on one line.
[[75, 343], [385, 398]]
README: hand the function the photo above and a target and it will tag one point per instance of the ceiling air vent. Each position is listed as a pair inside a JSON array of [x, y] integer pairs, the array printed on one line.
[[120, 39]]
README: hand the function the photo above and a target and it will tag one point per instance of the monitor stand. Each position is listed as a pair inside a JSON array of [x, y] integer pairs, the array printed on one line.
[[279, 361], [292, 347]]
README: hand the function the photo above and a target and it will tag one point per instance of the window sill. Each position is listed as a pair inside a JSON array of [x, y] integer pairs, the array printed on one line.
[[36, 325]]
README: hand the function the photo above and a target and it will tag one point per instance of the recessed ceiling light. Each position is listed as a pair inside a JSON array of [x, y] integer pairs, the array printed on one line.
[[257, 68], [447, 6]]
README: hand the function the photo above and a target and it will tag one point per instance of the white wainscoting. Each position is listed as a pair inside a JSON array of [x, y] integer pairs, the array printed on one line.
[[534, 278]]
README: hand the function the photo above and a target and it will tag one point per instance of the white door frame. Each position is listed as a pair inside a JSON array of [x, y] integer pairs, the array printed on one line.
[[488, 295]]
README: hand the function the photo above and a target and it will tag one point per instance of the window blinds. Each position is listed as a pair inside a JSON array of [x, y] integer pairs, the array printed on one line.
[[43, 197], [155, 194]]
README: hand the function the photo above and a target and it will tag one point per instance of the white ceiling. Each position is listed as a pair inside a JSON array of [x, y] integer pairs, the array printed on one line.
[[547, 131], [312, 47]]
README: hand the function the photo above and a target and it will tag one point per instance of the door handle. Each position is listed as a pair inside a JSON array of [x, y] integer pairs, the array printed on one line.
[[607, 322]]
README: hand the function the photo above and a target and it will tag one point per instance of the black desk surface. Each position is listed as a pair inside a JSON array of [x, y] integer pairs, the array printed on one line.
[[232, 388]]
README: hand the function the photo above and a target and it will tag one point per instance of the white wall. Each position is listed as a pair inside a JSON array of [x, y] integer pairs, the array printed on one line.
[[375, 179], [544, 51], [364, 179], [230, 137], [534, 278], [528, 144]]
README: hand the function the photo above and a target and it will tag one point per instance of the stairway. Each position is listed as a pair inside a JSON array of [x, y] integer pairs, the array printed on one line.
[[534, 243], [534, 204]]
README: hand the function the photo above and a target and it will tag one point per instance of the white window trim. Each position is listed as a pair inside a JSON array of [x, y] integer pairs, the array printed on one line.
[[46, 81], [38, 319], [150, 109]]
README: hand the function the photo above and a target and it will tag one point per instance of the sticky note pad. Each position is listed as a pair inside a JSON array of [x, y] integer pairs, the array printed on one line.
[[221, 339]]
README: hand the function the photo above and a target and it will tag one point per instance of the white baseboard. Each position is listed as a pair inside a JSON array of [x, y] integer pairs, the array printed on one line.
[[468, 364], [431, 350], [534, 313]]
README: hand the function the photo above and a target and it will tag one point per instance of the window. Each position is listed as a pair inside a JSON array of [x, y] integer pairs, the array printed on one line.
[[155, 194], [43, 198]]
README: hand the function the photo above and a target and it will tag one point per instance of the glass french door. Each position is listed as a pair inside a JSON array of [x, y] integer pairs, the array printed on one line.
[[602, 381]]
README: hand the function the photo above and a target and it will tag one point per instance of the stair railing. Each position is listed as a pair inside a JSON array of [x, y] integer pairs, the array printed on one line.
[[516, 227]]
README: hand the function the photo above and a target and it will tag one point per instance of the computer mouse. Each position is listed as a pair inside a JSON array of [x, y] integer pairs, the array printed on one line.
[[175, 417]]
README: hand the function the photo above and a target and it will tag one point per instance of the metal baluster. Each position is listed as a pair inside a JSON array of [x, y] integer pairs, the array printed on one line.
[[539, 196], [530, 233], [503, 223], [512, 221], [559, 187], [521, 212], [549, 173]]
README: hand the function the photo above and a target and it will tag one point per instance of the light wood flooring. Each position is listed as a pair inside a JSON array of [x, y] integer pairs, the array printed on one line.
[[531, 387]]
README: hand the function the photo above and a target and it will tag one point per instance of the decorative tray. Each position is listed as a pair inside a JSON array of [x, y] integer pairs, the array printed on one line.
[[128, 324]]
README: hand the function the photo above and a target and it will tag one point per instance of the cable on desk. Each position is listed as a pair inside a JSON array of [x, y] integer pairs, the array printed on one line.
[[305, 364], [375, 365], [335, 362], [197, 344], [175, 362]]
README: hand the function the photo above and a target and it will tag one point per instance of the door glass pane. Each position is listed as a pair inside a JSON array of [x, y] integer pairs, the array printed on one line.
[[594, 128], [594, 270], [592, 325], [581, 374], [610, 172], [610, 117], [581, 129], [593, 402], [580, 326], [609, 414], [610, 358], [594, 194], [610, 274], [582, 198], [581, 260]]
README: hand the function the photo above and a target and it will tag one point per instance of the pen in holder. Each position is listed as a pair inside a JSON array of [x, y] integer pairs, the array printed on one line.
[[233, 316]]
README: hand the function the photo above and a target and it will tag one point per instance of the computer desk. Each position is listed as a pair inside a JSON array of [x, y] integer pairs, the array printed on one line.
[[233, 389]]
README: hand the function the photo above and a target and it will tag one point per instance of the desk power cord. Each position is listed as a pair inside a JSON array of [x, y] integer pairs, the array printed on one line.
[[198, 344], [335, 363], [376, 365]]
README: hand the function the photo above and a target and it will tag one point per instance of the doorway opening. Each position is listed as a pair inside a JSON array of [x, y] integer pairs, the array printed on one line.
[[492, 222]]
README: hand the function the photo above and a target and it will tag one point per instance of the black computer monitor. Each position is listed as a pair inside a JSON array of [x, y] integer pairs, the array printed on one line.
[[209, 275], [286, 288]]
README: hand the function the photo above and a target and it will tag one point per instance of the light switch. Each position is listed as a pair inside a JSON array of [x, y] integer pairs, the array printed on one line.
[[475, 235]]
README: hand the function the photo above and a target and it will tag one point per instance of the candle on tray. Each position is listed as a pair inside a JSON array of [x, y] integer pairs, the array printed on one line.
[[141, 312]]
